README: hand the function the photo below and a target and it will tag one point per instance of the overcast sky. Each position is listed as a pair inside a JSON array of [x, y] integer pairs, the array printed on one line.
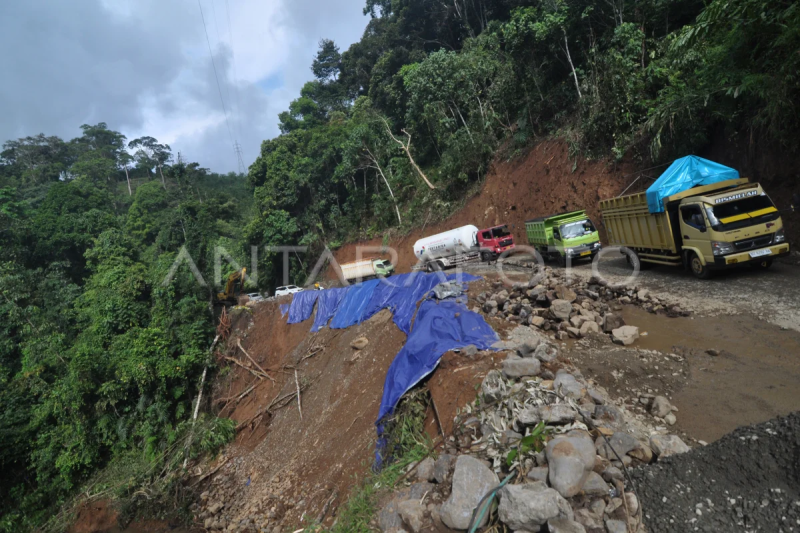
[[143, 67]]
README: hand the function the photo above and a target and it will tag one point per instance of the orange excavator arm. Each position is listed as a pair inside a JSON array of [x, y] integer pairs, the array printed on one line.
[[233, 286]]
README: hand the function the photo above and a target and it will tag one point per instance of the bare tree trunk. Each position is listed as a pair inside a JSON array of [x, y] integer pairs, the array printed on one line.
[[407, 149], [163, 181], [377, 167], [465, 125], [127, 177], [569, 58]]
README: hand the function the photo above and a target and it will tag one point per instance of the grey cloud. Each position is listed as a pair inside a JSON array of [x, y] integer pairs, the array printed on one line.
[[69, 63]]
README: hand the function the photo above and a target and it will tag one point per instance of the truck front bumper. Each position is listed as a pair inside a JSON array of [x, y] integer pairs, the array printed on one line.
[[743, 258]]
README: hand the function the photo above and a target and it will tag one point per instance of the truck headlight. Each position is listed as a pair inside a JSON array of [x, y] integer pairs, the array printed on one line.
[[596, 245], [780, 236], [721, 248]]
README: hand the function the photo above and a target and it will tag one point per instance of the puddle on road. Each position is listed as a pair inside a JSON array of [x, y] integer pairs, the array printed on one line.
[[756, 376]]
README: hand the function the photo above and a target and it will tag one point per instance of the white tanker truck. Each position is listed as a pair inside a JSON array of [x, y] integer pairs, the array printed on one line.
[[462, 245]]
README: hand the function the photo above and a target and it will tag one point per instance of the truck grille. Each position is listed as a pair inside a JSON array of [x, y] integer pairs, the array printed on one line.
[[752, 244], [507, 242]]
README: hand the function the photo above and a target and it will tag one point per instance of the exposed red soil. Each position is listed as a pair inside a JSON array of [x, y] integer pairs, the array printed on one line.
[[101, 517], [456, 381], [305, 462]]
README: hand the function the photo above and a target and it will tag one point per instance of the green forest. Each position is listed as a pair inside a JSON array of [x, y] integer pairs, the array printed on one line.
[[100, 358]]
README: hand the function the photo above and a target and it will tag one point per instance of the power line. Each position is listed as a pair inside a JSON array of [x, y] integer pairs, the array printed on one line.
[[219, 40], [213, 64], [238, 122]]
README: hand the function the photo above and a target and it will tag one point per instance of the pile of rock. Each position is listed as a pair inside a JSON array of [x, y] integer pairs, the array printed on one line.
[[571, 308], [218, 509], [570, 479]]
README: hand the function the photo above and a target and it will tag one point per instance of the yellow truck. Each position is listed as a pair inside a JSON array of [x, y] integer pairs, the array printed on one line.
[[704, 228]]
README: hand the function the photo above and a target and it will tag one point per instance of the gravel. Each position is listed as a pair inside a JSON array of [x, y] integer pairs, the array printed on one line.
[[749, 480]]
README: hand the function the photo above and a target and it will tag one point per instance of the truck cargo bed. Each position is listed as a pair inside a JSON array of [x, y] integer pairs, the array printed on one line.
[[630, 223]]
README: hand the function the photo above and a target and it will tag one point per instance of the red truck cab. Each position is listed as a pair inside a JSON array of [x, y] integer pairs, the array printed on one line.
[[494, 241]]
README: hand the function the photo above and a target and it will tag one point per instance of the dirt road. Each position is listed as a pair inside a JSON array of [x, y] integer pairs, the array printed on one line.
[[772, 295]]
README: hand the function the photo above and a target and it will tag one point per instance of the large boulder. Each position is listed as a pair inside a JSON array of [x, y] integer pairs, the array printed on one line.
[[550, 414], [425, 470], [625, 335], [412, 514], [570, 458], [493, 386], [660, 407], [516, 368], [666, 445], [565, 293], [443, 467], [472, 480], [566, 384], [389, 518], [561, 309], [611, 322], [529, 506], [546, 352]]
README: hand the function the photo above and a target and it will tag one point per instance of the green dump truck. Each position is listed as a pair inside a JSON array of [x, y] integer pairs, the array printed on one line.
[[564, 236]]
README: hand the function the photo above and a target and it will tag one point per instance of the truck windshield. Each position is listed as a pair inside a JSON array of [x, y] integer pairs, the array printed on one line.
[[577, 229], [502, 231], [741, 213]]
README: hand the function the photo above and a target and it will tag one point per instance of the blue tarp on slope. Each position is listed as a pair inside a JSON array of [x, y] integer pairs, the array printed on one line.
[[327, 305], [302, 306], [682, 175], [437, 329], [355, 302], [284, 309], [403, 299]]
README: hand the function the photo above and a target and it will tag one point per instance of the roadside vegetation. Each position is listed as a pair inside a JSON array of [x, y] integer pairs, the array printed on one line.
[[100, 358]]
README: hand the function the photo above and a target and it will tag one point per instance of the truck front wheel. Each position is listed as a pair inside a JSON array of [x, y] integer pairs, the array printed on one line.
[[699, 270], [486, 257]]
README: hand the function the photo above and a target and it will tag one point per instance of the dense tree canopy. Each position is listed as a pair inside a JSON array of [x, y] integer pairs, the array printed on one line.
[[100, 358]]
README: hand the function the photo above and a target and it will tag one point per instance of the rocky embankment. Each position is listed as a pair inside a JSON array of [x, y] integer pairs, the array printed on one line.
[[572, 308], [561, 441]]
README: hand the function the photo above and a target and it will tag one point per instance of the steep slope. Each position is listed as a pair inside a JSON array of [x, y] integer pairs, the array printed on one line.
[[331, 445]]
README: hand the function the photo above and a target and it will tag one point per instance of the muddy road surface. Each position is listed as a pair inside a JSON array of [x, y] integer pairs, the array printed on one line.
[[734, 361], [772, 295]]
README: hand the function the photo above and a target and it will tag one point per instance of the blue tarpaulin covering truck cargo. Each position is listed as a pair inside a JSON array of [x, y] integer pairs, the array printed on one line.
[[438, 326], [682, 175]]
